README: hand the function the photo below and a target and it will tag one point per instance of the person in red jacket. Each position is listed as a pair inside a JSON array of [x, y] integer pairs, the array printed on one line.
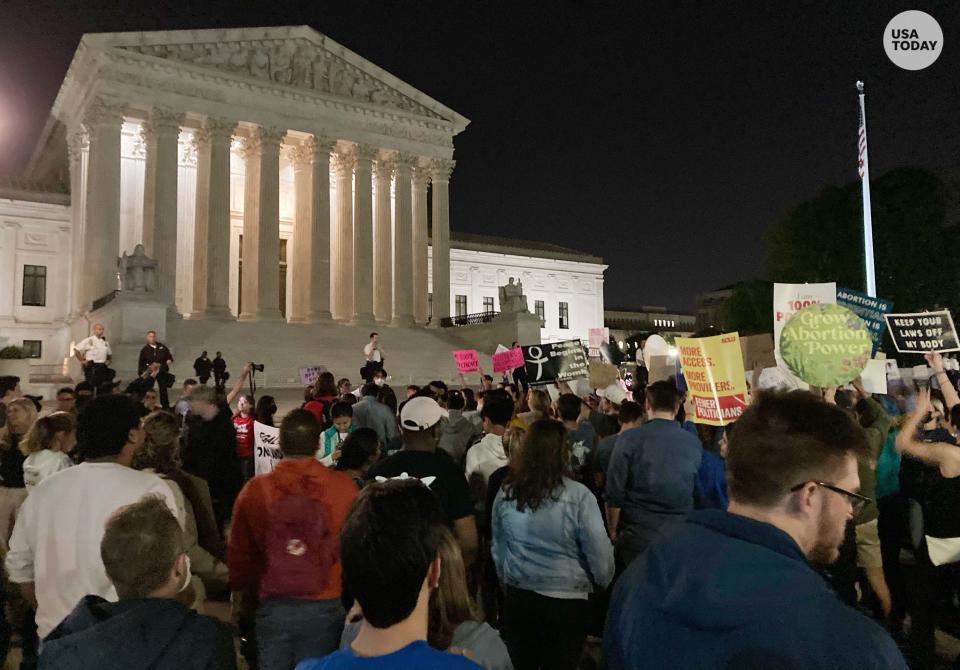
[[284, 554]]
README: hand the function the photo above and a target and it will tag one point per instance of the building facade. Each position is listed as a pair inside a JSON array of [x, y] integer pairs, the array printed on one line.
[[273, 175]]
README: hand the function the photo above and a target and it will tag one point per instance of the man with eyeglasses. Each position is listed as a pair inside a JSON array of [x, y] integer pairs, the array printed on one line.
[[735, 588]]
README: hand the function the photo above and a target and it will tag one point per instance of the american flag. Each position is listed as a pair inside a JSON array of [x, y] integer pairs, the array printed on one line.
[[861, 141]]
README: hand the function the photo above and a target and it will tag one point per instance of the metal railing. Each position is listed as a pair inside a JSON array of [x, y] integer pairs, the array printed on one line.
[[468, 319], [104, 300]]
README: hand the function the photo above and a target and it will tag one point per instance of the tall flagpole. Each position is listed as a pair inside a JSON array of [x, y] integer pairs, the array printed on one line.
[[865, 180]]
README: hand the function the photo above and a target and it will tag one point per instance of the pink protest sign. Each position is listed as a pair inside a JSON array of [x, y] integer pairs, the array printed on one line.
[[467, 360], [508, 360]]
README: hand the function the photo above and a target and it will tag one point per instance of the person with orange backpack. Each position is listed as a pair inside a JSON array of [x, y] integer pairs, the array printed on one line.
[[284, 554]]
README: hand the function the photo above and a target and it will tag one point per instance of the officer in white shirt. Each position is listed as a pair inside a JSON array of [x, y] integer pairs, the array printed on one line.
[[374, 356], [95, 355]]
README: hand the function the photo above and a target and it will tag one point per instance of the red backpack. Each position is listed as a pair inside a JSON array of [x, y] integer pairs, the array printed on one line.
[[300, 548]]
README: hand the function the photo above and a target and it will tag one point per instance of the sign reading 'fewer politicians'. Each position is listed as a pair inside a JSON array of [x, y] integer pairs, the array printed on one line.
[[266, 445], [713, 370], [826, 345], [923, 332], [871, 310], [555, 362], [467, 360]]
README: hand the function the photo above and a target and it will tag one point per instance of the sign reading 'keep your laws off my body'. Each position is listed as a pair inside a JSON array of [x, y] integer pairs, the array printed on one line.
[[923, 332]]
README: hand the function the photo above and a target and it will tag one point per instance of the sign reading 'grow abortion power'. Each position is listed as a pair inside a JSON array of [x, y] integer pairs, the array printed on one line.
[[826, 345]]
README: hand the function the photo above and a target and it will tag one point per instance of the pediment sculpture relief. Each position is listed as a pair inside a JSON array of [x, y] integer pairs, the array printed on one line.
[[291, 63]]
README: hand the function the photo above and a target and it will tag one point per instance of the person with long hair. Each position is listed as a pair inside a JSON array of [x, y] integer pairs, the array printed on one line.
[[322, 394], [453, 620], [46, 446], [358, 452], [550, 550], [266, 409], [160, 454], [21, 415]]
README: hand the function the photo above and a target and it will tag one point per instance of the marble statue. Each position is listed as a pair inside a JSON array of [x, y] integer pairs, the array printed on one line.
[[138, 271], [512, 299]]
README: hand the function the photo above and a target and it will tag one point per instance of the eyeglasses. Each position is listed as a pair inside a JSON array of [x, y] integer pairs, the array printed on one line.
[[857, 501]]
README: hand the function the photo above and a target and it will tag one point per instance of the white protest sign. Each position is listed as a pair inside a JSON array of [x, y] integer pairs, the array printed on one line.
[[893, 372], [874, 377], [791, 298], [778, 379], [654, 346], [266, 446]]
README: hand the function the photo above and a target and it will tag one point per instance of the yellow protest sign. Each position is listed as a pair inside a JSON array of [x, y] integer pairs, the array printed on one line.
[[713, 372]]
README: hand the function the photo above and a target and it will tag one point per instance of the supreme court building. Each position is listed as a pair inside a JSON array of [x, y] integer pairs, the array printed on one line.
[[273, 175]]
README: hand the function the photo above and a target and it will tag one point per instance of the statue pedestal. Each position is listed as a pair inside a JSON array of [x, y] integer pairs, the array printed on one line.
[[504, 329], [129, 316]]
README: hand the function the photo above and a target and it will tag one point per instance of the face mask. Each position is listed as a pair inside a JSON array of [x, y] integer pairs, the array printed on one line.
[[379, 381], [188, 577]]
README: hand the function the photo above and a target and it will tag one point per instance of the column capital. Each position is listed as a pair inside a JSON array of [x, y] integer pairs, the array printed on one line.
[[264, 138], [300, 155], [320, 144], [441, 169], [162, 121], [384, 167], [77, 143], [344, 160], [419, 175], [365, 154], [219, 127], [101, 112]]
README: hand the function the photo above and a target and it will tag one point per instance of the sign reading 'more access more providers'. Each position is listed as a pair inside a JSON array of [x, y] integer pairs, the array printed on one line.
[[713, 370]]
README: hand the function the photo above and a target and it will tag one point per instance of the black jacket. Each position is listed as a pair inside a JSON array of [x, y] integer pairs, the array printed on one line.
[[149, 356], [210, 452], [152, 633]]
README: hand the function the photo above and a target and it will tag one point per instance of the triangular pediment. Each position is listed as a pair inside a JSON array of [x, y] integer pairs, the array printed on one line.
[[297, 57]]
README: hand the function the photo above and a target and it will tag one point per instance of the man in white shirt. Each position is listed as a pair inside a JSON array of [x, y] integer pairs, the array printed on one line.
[[95, 355], [487, 455], [374, 356], [55, 548]]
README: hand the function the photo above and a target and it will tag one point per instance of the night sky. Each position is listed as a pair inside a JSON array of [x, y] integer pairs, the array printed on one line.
[[666, 137]]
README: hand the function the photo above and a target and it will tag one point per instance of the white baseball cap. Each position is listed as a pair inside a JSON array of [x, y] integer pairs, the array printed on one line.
[[615, 394], [420, 414]]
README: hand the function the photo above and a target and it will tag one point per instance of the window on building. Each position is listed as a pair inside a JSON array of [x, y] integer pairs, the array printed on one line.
[[541, 312], [488, 304], [461, 305], [33, 348], [564, 315], [35, 285]]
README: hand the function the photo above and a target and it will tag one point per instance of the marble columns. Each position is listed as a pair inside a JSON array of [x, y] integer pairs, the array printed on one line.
[[342, 253], [440, 171], [101, 242], [403, 286], [419, 178], [383, 241], [363, 237]]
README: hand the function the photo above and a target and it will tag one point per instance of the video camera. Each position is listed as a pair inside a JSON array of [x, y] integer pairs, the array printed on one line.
[[256, 367]]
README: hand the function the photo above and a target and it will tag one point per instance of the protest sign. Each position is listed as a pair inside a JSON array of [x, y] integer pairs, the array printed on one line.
[[309, 375], [598, 338], [661, 368], [467, 360], [713, 370], [266, 444], [825, 345], [871, 310], [874, 377], [791, 298], [601, 375], [555, 362], [757, 350], [893, 372], [654, 346], [923, 332], [507, 360], [777, 379]]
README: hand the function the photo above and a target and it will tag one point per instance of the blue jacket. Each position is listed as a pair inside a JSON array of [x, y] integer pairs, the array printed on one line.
[[371, 413], [724, 591], [561, 547], [710, 486], [650, 478]]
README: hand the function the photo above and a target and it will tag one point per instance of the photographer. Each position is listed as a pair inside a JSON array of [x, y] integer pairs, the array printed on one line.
[[156, 352]]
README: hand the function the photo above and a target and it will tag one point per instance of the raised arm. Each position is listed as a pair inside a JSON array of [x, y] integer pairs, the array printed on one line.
[[944, 456], [238, 386], [950, 395]]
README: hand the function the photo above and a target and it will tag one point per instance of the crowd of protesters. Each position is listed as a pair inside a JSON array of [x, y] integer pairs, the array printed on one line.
[[494, 526]]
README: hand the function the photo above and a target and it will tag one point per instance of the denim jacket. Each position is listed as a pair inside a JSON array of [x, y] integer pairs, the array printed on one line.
[[560, 547]]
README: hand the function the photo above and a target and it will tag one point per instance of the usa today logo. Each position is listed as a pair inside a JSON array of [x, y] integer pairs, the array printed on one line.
[[913, 40]]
